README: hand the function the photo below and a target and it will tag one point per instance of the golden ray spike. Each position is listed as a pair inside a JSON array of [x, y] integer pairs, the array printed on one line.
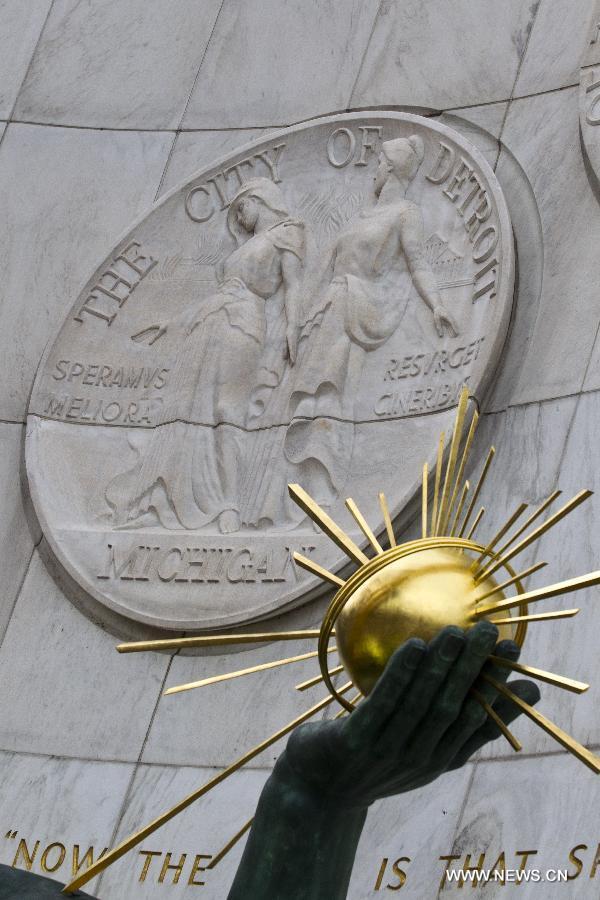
[[217, 640], [316, 569], [499, 535], [387, 519], [230, 844], [538, 512], [478, 519], [535, 534], [436, 484], [424, 499], [459, 422], [343, 712], [568, 684], [463, 463], [311, 682], [551, 590], [134, 839], [477, 491], [459, 508], [568, 742], [239, 673], [363, 525], [537, 617], [514, 743], [520, 531], [326, 523], [501, 587]]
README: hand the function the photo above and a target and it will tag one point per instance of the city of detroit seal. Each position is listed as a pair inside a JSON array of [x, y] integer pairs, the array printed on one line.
[[306, 310]]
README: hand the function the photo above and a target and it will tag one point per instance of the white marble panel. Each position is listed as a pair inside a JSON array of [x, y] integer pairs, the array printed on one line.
[[273, 63], [557, 46], [21, 24], [67, 802], [571, 548], [543, 134], [65, 689], [541, 803], [489, 117], [67, 193], [529, 243], [194, 150], [419, 826], [115, 65], [529, 442], [236, 715], [443, 56], [592, 376], [18, 530], [202, 829], [588, 123], [481, 125], [592, 54]]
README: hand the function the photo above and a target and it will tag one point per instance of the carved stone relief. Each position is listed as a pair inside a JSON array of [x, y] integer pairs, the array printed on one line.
[[306, 310], [589, 98]]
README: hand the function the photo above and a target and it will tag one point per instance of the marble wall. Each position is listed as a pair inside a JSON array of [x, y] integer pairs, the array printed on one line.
[[103, 107]]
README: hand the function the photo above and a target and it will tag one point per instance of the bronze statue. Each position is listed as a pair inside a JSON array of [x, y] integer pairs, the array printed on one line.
[[418, 723]]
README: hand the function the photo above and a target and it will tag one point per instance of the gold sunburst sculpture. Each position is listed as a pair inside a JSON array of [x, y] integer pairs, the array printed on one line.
[[446, 577]]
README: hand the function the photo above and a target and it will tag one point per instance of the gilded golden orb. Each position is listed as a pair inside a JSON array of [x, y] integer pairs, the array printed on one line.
[[414, 596]]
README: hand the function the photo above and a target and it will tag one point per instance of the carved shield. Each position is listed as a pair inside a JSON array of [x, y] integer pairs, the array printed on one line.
[[306, 310]]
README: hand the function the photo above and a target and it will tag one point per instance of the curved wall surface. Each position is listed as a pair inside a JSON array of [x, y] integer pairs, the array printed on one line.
[[106, 106]]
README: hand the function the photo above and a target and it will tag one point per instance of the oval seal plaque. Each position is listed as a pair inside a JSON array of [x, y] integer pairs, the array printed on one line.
[[306, 311]]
